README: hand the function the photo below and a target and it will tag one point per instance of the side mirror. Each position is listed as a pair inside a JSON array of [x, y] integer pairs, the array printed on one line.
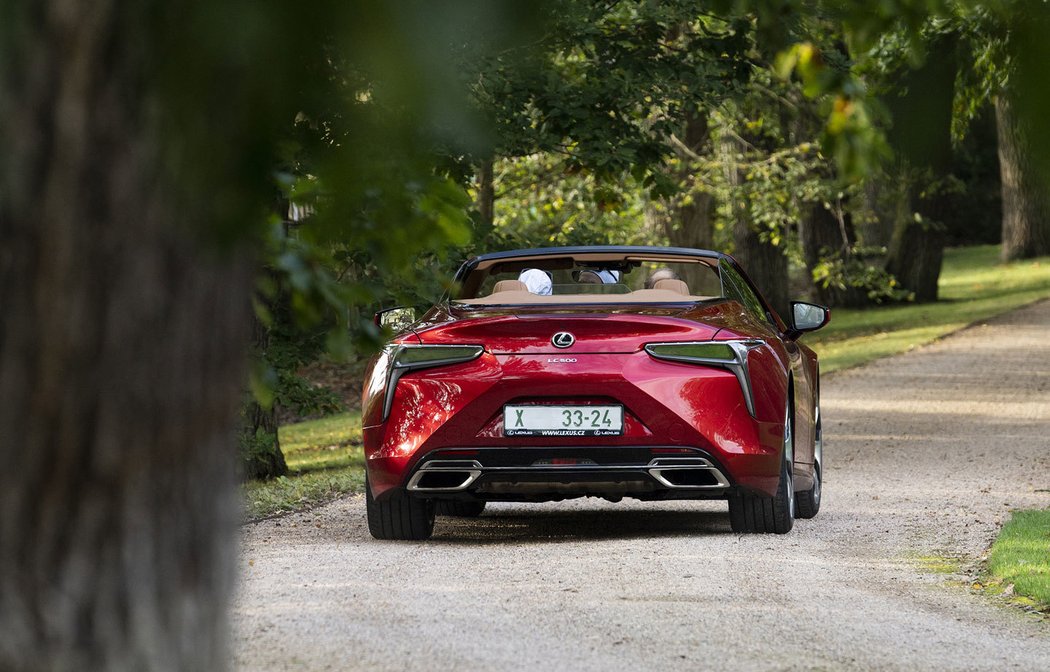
[[395, 319], [807, 317]]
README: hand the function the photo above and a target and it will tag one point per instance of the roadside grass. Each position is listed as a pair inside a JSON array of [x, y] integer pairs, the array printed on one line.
[[325, 457], [974, 286], [1021, 557], [325, 460]]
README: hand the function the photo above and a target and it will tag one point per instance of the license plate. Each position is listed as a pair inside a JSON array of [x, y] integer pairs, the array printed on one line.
[[562, 420]]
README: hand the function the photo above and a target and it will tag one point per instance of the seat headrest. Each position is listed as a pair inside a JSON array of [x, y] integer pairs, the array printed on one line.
[[670, 284], [509, 286]]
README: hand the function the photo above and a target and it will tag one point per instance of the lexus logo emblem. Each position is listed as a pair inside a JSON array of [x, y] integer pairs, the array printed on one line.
[[563, 339]]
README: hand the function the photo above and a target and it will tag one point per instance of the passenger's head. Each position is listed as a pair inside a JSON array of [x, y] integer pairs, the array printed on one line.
[[537, 281], [658, 275], [592, 277]]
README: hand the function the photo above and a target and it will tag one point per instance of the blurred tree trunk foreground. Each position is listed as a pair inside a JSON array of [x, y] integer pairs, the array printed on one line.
[[121, 355]]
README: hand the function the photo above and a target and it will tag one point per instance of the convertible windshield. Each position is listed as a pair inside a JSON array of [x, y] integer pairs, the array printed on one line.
[[592, 278]]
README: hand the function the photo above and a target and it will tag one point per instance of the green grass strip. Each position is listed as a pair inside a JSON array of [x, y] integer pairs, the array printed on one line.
[[325, 460], [974, 286], [1021, 555]]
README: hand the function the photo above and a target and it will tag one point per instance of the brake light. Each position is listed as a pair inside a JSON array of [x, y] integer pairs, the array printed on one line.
[[731, 355], [405, 358]]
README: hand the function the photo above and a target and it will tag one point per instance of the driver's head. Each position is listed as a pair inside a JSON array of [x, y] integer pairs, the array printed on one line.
[[658, 275]]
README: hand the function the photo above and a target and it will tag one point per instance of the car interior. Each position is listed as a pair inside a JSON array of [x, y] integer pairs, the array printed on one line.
[[576, 280]]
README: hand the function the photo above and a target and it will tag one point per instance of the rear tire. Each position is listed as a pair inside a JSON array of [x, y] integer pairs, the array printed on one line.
[[755, 514], [457, 508], [399, 516], [809, 500]]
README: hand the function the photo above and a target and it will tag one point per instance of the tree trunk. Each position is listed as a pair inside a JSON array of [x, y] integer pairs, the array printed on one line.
[[691, 222], [688, 218], [882, 200], [486, 194], [915, 259], [824, 235], [916, 250], [819, 236], [1026, 197], [262, 457], [765, 263], [121, 365]]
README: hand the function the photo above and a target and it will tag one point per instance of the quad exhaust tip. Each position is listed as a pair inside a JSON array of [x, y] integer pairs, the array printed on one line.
[[676, 473]]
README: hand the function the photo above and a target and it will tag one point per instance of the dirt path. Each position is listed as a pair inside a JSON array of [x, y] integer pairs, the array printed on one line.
[[927, 453]]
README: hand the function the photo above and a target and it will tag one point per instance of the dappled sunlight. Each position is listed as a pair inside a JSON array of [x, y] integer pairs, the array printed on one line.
[[996, 411]]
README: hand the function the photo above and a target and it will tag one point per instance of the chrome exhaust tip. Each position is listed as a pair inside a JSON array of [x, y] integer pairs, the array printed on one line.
[[687, 473], [445, 476]]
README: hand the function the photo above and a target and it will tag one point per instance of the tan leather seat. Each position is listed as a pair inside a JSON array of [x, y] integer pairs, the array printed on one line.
[[670, 284], [509, 286]]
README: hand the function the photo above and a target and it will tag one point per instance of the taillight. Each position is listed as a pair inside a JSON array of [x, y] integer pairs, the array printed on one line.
[[400, 359], [731, 355]]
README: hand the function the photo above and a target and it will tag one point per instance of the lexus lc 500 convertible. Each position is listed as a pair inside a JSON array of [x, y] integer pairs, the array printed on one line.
[[647, 372]]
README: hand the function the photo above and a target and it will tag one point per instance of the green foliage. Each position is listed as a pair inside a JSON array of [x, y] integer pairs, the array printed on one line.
[[855, 271], [851, 135], [610, 82], [370, 115], [544, 200], [769, 185], [363, 164], [365, 191]]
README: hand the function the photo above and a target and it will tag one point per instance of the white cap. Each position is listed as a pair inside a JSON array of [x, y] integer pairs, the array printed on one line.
[[537, 281]]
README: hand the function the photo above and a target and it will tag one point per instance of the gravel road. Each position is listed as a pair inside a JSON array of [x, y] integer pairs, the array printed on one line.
[[926, 455]]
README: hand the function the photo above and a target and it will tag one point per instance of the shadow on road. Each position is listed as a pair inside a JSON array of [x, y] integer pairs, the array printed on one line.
[[547, 526]]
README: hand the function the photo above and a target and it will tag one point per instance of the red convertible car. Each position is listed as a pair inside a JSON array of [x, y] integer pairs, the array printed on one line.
[[647, 372]]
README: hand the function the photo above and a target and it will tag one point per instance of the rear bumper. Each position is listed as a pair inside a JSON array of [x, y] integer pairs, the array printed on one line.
[[456, 413], [501, 474]]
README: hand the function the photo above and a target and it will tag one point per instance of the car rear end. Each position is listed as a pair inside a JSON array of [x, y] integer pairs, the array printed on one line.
[[537, 406]]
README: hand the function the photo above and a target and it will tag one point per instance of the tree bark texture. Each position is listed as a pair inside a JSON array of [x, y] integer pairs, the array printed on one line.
[[765, 264], [1026, 192], [690, 223], [121, 366], [915, 259], [260, 444], [486, 194], [916, 250], [881, 199]]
